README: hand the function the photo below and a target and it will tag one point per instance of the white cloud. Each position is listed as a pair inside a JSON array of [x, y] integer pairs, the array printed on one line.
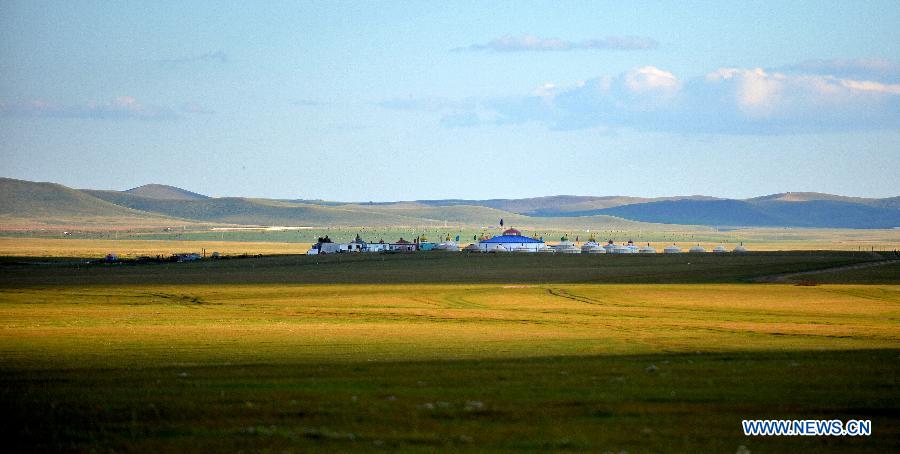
[[532, 43], [649, 79], [868, 85], [756, 92], [878, 69], [728, 100]]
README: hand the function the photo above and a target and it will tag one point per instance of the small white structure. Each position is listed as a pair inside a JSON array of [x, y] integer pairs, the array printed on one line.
[[546, 250], [357, 245], [380, 246], [673, 249], [472, 248], [511, 240], [720, 249], [403, 246], [610, 247], [697, 249], [447, 245], [566, 247], [740, 249], [647, 249], [631, 248], [592, 247]]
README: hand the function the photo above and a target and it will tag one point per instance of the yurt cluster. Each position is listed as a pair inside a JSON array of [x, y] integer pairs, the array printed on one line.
[[510, 240]]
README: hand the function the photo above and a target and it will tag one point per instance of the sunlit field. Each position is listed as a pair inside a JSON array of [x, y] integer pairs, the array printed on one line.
[[139, 326], [474, 353], [95, 248]]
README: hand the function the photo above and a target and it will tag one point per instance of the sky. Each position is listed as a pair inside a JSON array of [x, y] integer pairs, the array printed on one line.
[[382, 101]]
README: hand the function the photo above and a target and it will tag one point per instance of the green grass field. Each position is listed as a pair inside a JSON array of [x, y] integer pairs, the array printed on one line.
[[433, 351]]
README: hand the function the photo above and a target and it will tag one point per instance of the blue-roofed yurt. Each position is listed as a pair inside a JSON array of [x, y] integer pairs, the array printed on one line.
[[511, 240]]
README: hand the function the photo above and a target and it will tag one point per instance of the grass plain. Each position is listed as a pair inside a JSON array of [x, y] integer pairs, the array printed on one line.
[[446, 351], [140, 241]]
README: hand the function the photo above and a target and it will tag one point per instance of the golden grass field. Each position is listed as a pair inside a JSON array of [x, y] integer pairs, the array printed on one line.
[[111, 361], [92, 248], [166, 325]]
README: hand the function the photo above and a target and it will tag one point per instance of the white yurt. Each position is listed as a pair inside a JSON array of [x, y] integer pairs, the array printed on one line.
[[697, 249], [610, 247], [511, 240], [592, 249], [590, 245], [472, 248], [672, 249], [620, 249], [568, 249], [740, 249], [719, 249], [448, 245], [647, 249]]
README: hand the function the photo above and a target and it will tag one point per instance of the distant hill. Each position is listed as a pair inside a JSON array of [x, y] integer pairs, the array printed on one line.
[[760, 212], [549, 206], [30, 203], [58, 204], [165, 192], [890, 202], [237, 210]]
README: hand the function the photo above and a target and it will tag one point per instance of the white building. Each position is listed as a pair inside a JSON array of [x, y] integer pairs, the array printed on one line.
[[511, 240], [672, 249]]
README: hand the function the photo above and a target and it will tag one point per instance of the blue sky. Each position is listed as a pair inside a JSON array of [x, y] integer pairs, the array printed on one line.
[[398, 101]]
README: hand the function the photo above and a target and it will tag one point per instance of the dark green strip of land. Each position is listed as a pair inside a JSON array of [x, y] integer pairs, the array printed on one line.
[[434, 267], [648, 403]]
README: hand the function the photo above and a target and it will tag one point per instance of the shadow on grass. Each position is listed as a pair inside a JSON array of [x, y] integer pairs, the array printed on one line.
[[678, 402]]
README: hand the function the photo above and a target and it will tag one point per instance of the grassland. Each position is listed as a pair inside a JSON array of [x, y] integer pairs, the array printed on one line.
[[437, 267], [446, 351], [418, 367], [93, 248], [46, 242]]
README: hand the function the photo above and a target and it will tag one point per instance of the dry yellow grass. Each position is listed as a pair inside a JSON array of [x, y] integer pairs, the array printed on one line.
[[52, 247], [258, 323]]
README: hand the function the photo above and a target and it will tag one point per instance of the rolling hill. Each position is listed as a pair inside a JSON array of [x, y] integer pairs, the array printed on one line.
[[166, 192], [24, 202], [237, 210], [760, 213]]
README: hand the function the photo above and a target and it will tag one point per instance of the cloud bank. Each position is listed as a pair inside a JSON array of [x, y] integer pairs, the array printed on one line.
[[118, 108], [877, 69], [531, 43], [728, 100]]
